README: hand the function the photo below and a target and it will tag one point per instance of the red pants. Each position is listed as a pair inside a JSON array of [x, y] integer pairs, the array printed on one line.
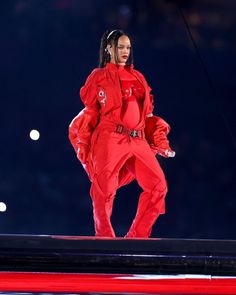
[[113, 154]]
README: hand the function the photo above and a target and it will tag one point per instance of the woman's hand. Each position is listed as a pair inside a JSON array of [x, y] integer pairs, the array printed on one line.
[[170, 153], [167, 153]]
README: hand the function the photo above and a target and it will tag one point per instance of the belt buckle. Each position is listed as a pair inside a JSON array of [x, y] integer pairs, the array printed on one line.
[[134, 133]]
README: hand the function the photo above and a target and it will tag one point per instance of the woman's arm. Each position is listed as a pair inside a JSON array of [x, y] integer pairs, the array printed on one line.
[[83, 125], [156, 131]]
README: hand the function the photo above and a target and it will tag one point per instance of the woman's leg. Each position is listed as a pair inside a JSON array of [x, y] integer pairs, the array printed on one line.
[[150, 177], [103, 190], [108, 159]]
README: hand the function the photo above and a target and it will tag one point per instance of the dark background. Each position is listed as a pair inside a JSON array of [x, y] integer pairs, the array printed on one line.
[[48, 47]]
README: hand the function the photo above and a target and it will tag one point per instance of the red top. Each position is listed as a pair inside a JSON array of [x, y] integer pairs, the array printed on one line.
[[132, 95]]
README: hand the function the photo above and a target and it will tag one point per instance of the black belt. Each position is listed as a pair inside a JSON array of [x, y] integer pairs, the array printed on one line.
[[131, 132]]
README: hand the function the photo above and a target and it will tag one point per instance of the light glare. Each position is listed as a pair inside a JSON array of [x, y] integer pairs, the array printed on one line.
[[34, 134], [3, 207]]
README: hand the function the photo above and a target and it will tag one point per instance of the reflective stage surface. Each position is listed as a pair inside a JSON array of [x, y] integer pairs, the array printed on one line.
[[61, 264]]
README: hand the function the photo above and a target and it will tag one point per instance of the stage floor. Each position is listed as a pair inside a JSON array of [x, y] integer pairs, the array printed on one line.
[[62, 264]]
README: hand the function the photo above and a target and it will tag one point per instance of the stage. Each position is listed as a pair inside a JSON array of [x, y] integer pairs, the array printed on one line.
[[60, 264]]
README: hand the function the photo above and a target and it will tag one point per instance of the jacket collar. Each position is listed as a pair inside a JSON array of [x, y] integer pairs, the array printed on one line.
[[115, 67]]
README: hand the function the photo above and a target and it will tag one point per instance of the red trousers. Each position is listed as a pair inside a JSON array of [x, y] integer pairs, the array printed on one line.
[[112, 155]]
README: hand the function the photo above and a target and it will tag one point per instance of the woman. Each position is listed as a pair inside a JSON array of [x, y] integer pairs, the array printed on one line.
[[116, 137]]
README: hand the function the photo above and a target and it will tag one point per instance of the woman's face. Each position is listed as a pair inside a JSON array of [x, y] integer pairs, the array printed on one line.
[[122, 52]]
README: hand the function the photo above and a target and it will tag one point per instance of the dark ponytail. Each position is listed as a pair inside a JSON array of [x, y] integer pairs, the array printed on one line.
[[110, 37], [104, 56]]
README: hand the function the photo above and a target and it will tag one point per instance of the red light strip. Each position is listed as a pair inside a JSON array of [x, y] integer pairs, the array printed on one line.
[[61, 282]]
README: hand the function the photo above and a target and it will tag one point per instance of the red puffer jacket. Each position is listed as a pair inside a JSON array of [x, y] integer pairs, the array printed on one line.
[[101, 95]]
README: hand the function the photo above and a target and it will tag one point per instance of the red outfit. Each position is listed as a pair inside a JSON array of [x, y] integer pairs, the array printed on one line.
[[132, 100], [121, 136]]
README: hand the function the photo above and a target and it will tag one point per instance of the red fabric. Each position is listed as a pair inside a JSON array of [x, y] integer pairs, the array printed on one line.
[[133, 94], [116, 159], [111, 154], [82, 126], [102, 90], [114, 283], [156, 131]]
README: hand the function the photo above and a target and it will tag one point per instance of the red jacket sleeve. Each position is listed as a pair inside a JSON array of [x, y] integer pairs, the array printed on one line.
[[151, 106], [88, 92], [149, 89], [82, 126], [156, 131]]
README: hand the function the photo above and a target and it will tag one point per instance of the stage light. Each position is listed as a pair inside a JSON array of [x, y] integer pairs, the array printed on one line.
[[3, 207], [34, 134]]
